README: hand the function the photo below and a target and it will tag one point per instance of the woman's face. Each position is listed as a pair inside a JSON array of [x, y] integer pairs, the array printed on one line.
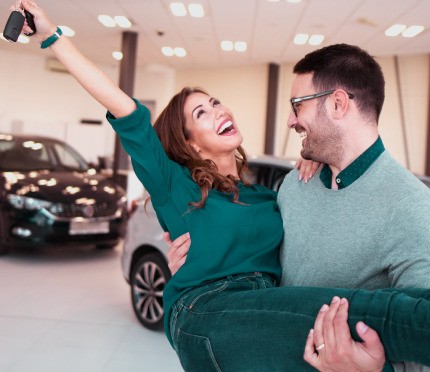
[[211, 126]]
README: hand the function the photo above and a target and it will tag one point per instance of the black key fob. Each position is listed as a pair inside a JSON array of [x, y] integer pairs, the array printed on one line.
[[13, 26], [30, 22]]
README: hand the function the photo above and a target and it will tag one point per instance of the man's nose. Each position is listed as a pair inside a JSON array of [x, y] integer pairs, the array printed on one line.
[[292, 120]]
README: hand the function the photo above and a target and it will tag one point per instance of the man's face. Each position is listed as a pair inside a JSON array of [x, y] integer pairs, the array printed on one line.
[[321, 139]]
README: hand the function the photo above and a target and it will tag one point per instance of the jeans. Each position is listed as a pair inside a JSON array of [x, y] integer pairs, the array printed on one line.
[[245, 323]]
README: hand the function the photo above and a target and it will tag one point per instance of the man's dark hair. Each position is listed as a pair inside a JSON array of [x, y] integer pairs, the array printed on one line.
[[350, 68]]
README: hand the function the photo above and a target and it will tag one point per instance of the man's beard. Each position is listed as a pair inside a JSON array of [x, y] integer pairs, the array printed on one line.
[[323, 144]]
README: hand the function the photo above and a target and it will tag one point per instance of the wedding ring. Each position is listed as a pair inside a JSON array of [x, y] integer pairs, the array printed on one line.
[[318, 348]]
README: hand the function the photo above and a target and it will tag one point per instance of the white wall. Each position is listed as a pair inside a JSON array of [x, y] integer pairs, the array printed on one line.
[[37, 101]]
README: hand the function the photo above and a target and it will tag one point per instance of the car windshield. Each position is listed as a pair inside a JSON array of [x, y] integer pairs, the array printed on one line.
[[21, 155]]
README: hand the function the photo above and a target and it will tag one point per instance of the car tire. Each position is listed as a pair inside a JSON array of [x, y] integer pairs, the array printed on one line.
[[148, 278]]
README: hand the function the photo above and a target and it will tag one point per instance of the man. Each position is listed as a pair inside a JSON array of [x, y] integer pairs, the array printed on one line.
[[363, 220]]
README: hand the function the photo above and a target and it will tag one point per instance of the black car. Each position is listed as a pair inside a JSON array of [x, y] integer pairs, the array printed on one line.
[[49, 195]]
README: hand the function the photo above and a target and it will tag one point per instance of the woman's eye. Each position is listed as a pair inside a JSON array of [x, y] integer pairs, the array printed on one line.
[[200, 113], [216, 102]]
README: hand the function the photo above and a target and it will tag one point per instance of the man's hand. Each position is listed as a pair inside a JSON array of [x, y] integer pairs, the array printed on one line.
[[178, 250], [330, 348]]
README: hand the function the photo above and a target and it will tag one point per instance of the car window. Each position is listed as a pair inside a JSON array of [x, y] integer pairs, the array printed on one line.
[[24, 156], [69, 158], [270, 176]]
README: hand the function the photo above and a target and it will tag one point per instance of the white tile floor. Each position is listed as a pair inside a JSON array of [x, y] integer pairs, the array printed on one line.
[[69, 309]]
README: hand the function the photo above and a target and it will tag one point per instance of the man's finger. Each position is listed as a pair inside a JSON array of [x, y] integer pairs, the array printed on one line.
[[341, 328], [328, 328], [310, 355], [318, 334]]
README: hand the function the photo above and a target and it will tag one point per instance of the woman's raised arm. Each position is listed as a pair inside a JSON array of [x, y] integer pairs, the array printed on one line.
[[92, 79]]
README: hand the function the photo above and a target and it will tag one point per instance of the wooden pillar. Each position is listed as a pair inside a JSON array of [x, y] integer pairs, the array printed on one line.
[[126, 83], [272, 99]]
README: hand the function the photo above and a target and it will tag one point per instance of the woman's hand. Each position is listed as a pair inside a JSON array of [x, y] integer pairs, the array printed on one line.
[[306, 168], [45, 28]]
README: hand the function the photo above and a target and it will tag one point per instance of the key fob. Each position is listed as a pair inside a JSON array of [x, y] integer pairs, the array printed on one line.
[[30, 22], [13, 26]]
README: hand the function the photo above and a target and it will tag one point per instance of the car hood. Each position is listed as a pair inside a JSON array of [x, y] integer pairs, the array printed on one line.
[[61, 187]]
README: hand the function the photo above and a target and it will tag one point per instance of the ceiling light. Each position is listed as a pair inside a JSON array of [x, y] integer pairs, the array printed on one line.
[[272, 1], [316, 39], [117, 55], [240, 46], [227, 45], [180, 52], [294, 1], [412, 31], [67, 31], [395, 30], [178, 9], [301, 39], [106, 20], [122, 21], [167, 51], [196, 10]]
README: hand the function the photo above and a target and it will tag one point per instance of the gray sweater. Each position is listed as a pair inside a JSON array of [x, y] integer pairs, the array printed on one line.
[[375, 233]]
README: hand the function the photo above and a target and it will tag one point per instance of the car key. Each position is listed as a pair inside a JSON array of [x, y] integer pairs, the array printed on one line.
[[13, 26]]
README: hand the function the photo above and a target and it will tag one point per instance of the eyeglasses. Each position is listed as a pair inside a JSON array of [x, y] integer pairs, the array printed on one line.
[[296, 100]]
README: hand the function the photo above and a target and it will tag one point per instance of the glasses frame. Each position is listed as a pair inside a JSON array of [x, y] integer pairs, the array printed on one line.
[[295, 100]]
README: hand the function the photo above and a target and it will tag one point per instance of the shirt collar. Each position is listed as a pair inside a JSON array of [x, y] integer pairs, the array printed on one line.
[[356, 169]]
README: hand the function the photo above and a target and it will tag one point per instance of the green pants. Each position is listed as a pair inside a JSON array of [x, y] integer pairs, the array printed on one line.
[[246, 323]]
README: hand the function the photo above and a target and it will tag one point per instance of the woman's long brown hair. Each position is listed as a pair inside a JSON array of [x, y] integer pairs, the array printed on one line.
[[170, 128]]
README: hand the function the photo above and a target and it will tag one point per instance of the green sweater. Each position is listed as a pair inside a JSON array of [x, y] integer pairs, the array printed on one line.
[[226, 238], [372, 234], [375, 233]]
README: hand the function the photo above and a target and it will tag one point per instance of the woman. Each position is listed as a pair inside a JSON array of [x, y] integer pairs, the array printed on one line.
[[223, 309]]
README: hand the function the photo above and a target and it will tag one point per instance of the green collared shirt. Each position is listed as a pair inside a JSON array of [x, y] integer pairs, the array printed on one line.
[[356, 169]]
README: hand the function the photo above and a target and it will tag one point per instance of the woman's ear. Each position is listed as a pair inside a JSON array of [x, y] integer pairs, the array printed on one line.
[[194, 146]]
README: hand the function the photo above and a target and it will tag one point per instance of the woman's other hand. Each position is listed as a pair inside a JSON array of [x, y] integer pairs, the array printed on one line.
[[306, 168]]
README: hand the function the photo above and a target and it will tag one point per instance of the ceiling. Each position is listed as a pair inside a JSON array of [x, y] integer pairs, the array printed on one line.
[[267, 27]]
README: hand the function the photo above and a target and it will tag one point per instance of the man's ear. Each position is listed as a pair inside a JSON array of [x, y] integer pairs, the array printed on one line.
[[341, 103]]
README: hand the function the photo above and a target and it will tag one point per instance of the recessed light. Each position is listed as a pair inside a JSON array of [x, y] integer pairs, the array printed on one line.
[[395, 30], [196, 10], [167, 51], [301, 39], [180, 52], [106, 20], [227, 45], [67, 31], [122, 21], [178, 9], [117, 55], [316, 39], [412, 31], [240, 46]]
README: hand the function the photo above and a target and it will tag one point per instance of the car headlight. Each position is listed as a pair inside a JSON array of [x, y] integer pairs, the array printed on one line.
[[27, 203]]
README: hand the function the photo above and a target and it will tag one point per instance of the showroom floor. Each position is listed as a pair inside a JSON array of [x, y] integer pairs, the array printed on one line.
[[68, 310]]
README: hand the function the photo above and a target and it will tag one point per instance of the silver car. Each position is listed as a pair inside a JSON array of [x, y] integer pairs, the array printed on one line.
[[144, 260]]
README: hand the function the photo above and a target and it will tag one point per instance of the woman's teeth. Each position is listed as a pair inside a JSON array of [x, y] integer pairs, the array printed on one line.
[[228, 125]]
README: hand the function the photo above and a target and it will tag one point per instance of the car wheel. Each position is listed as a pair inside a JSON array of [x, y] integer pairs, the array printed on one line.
[[148, 278]]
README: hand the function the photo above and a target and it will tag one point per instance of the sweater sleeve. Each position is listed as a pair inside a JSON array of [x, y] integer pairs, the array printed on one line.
[[150, 162], [407, 242]]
